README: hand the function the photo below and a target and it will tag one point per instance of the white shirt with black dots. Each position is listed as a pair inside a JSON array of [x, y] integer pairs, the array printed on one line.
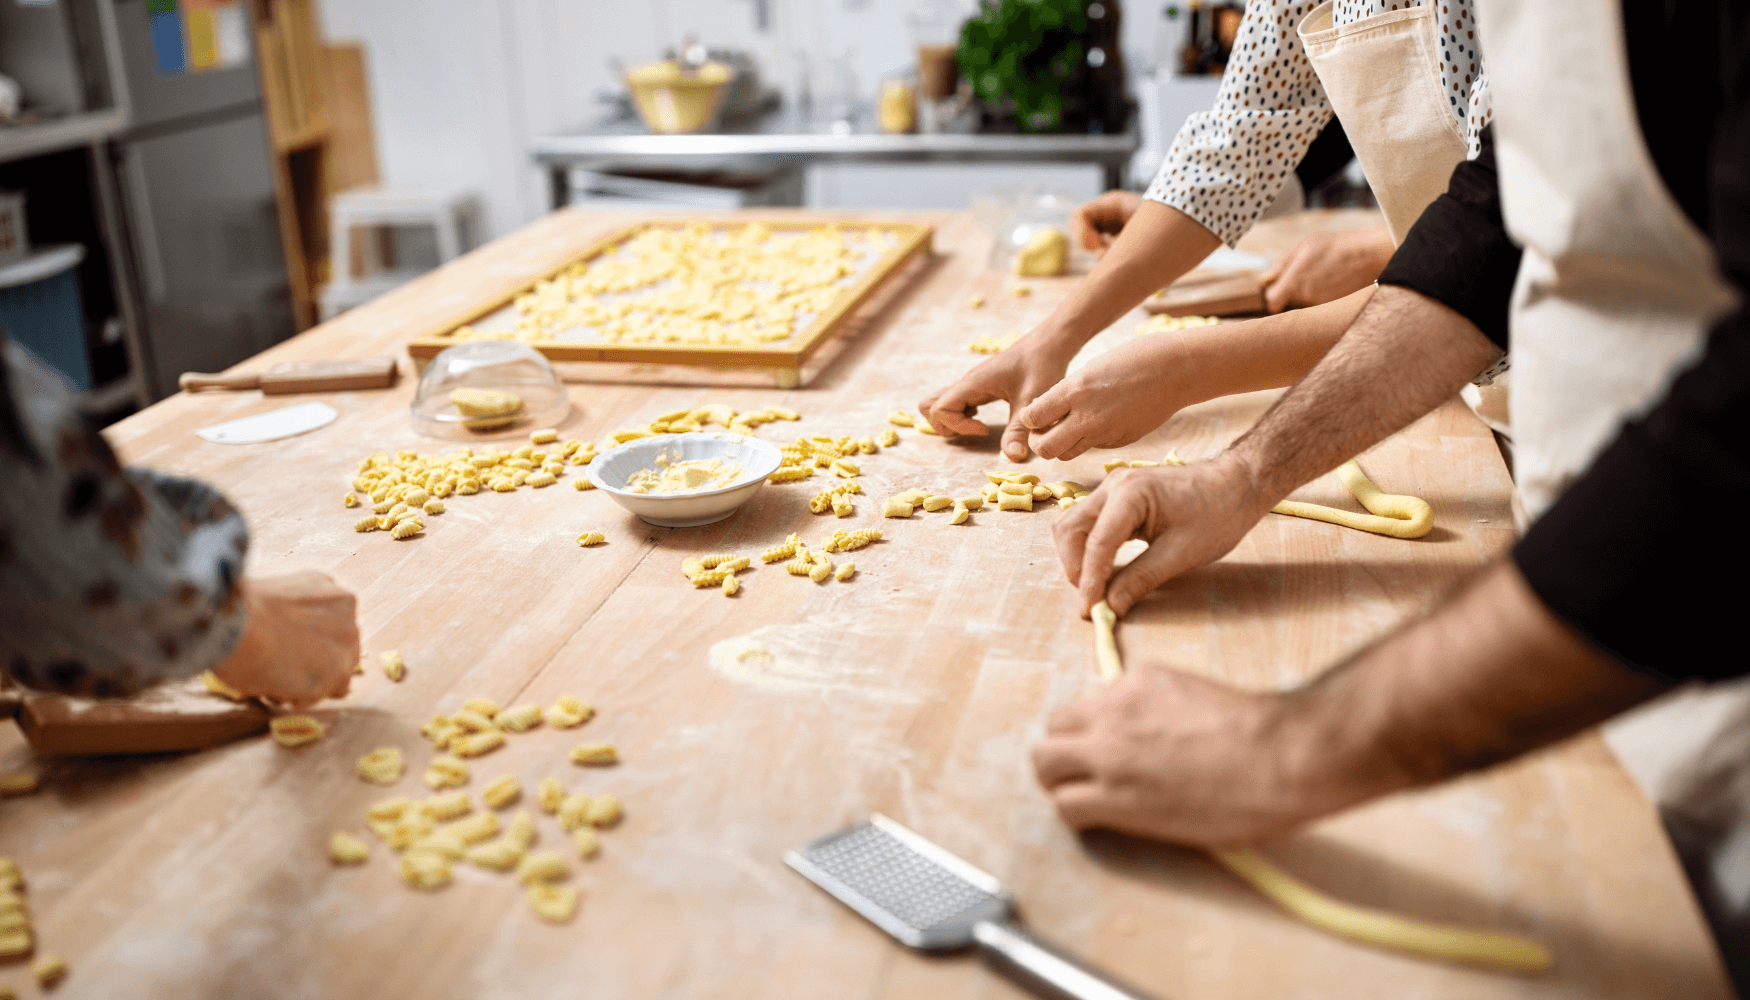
[[1228, 164]]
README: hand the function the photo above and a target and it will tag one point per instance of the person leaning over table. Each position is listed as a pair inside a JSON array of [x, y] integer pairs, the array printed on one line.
[[1410, 89], [1631, 315], [116, 579]]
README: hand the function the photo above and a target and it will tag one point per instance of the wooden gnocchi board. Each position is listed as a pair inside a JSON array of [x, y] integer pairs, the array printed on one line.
[[785, 356]]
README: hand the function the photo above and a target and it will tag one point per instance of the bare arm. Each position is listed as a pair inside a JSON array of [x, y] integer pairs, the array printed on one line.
[[1404, 355], [1156, 246], [1124, 394], [1488, 676]]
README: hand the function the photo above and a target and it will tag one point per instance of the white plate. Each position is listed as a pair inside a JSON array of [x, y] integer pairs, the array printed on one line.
[[613, 470]]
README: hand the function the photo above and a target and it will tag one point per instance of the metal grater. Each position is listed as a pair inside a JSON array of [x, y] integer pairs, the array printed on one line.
[[933, 901]]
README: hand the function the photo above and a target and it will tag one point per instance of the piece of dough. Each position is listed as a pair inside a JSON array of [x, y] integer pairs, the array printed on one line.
[[1105, 643], [1375, 927], [1045, 254], [1391, 514]]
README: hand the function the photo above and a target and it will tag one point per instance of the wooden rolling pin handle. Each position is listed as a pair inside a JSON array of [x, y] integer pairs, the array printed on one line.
[[11, 703], [190, 381]]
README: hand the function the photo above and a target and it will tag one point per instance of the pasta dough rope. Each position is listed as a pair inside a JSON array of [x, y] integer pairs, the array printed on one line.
[[1375, 927], [1389, 513]]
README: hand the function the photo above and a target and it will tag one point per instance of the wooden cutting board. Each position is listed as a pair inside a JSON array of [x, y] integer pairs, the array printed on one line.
[[302, 376], [178, 716], [1210, 293]]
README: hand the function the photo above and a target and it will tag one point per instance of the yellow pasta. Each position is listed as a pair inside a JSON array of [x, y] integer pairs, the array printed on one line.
[[476, 744], [938, 502], [1021, 291], [888, 437], [594, 754], [471, 721], [857, 539], [393, 666], [573, 812], [589, 538], [900, 418], [552, 795], [866, 445], [521, 831], [582, 483], [49, 971], [568, 712], [476, 828], [961, 514], [446, 772], [364, 524], [588, 843], [484, 708], [401, 833], [925, 427], [799, 567], [502, 792], [914, 496], [381, 766], [446, 807], [557, 903], [433, 506], [350, 500], [731, 586], [345, 849], [821, 571], [425, 869], [711, 577], [296, 730], [791, 474], [544, 867], [896, 507], [502, 484], [519, 720], [541, 479], [604, 810], [217, 686], [468, 487], [546, 436], [780, 552], [15, 943], [499, 856], [389, 809], [845, 572], [439, 730], [1012, 501], [842, 507], [845, 468], [1015, 490], [416, 498]]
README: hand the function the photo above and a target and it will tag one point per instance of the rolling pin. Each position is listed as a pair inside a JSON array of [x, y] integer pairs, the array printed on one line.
[[301, 376]]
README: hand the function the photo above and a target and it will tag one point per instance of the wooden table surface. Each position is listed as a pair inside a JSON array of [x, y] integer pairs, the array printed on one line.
[[917, 689]]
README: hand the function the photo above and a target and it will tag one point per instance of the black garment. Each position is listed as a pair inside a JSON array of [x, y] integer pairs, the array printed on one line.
[[1326, 157], [1640, 555]]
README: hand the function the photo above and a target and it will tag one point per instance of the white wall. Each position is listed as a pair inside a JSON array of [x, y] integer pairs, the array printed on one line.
[[460, 87]]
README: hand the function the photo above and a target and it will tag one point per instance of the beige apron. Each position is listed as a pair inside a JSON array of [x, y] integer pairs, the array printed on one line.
[[1617, 288], [1382, 77], [1614, 298]]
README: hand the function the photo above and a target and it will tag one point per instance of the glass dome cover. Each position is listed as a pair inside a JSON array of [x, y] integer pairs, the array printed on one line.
[[485, 388]]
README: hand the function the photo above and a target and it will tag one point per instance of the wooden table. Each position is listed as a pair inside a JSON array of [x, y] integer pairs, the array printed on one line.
[[917, 689]]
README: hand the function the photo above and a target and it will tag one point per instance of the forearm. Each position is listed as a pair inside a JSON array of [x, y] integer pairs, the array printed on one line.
[[1404, 355], [1266, 353], [1488, 676], [1157, 245]]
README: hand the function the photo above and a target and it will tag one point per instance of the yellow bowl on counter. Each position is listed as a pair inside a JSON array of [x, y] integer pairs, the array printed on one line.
[[673, 100]]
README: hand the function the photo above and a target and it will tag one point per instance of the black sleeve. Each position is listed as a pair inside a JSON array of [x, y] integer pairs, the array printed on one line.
[[1645, 554], [1458, 252], [1327, 155]]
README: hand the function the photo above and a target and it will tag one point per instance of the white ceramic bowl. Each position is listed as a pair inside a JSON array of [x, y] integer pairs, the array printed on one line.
[[613, 470]]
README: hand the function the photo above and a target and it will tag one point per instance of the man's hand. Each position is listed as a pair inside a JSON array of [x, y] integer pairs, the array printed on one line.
[[300, 642], [1171, 756], [1111, 401], [1327, 266], [1017, 375], [1190, 516], [1098, 222]]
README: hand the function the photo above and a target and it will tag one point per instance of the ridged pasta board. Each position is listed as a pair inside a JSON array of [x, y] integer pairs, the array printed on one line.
[[749, 724], [721, 292]]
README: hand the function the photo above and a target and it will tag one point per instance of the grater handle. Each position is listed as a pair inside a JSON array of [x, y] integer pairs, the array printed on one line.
[[1041, 969]]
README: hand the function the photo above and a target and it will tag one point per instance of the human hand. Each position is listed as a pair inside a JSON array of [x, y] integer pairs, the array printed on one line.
[[300, 642], [1098, 222], [1018, 375], [1175, 757], [1190, 515], [1324, 267], [1110, 402]]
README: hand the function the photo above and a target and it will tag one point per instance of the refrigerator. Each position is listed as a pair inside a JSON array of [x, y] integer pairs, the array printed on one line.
[[196, 189]]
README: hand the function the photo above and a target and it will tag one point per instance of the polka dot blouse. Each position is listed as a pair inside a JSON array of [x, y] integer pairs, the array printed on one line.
[[1228, 164]]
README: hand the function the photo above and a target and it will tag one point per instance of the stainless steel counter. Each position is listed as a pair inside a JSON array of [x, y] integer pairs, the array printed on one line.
[[783, 137]]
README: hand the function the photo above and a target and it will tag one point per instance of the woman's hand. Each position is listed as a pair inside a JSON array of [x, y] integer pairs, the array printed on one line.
[[1325, 267], [1112, 400], [300, 642], [1017, 376], [1098, 222], [1190, 516]]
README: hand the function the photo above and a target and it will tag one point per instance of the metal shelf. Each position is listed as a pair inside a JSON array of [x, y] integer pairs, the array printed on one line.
[[73, 131]]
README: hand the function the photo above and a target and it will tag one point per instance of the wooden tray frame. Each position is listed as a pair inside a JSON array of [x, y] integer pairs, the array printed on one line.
[[785, 356]]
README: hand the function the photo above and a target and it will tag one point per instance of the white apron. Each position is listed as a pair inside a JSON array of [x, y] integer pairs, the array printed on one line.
[[1614, 299], [1617, 288], [1382, 76]]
